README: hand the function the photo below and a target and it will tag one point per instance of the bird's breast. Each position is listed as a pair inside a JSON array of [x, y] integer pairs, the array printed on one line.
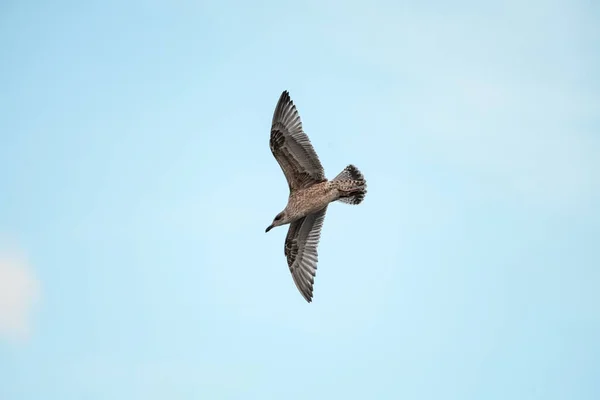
[[310, 200]]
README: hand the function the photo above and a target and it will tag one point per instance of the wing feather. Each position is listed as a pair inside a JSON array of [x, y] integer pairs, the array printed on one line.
[[301, 252], [292, 148]]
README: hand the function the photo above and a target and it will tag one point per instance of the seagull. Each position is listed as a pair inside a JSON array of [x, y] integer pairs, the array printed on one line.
[[310, 193]]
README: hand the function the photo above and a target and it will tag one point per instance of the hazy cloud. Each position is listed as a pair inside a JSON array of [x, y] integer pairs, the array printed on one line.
[[500, 94], [19, 290]]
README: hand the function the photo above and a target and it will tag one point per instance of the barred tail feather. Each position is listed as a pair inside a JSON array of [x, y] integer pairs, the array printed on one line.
[[352, 185]]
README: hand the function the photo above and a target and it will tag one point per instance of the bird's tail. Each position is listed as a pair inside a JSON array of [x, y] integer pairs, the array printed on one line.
[[351, 184]]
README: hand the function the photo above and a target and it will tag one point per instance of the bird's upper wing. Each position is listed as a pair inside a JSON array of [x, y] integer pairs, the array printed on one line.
[[292, 148], [301, 251]]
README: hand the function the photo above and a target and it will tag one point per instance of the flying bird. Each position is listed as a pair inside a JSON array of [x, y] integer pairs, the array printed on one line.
[[310, 193]]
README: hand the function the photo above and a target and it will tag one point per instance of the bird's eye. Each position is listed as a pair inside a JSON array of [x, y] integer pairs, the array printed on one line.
[[278, 217]]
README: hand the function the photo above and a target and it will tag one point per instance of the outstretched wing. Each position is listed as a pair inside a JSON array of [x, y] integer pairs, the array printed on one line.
[[292, 148], [301, 251]]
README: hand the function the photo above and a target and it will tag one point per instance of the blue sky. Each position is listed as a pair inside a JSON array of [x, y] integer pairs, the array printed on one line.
[[136, 182]]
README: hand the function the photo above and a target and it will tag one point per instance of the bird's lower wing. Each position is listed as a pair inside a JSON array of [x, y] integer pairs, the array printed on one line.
[[301, 251]]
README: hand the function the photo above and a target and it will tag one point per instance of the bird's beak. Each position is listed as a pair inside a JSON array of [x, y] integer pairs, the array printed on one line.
[[269, 228]]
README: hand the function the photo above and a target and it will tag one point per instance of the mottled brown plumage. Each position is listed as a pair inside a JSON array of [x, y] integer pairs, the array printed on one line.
[[310, 193]]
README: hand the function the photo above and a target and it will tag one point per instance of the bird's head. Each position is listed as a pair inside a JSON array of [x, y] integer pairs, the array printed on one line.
[[277, 221]]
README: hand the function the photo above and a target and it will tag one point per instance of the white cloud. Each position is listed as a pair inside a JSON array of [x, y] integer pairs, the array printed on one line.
[[19, 290]]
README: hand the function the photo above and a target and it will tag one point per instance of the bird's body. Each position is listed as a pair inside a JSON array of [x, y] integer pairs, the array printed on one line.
[[303, 202], [310, 193]]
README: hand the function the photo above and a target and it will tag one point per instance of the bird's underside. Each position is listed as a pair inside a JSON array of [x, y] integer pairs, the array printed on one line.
[[303, 171]]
